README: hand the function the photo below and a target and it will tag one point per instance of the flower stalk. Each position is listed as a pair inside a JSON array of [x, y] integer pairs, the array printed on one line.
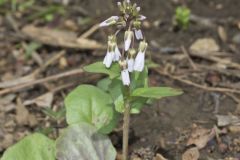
[[131, 59], [126, 124]]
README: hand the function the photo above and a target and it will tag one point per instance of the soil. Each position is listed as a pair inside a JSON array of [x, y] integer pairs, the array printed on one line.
[[163, 127]]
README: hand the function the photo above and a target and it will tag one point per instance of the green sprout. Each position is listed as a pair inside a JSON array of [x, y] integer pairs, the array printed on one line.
[[182, 17]]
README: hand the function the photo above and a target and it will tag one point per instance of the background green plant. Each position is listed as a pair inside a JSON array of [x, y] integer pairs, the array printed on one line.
[[182, 17]]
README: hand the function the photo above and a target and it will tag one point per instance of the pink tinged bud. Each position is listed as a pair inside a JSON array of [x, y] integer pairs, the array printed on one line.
[[128, 39], [128, 1], [117, 55], [125, 77], [110, 21], [141, 17], [130, 64], [108, 59], [138, 34]]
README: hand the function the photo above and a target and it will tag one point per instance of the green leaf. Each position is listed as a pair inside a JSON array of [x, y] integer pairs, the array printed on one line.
[[139, 79], [82, 141], [156, 92], [137, 104], [32, 147], [99, 67], [104, 84], [90, 104]]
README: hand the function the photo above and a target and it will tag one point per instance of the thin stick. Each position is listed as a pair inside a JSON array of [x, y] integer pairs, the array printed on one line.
[[188, 57], [43, 80], [90, 31], [126, 121], [213, 89]]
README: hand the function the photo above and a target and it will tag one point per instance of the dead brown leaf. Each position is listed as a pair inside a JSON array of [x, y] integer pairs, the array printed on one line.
[[226, 120], [22, 113], [200, 137], [59, 38], [44, 100]]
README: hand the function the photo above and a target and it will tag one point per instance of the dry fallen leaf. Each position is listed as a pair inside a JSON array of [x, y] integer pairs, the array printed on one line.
[[44, 100], [191, 154], [61, 38], [22, 113], [226, 120], [205, 45], [23, 117], [200, 137]]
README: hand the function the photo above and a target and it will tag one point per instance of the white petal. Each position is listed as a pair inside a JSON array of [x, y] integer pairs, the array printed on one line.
[[130, 64], [108, 59], [117, 55], [127, 44], [125, 77], [139, 62], [138, 34]]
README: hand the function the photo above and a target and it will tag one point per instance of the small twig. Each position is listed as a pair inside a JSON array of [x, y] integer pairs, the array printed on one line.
[[40, 81], [188, 57], [216, 59], [90, 31], [32, 76], [188, 82]]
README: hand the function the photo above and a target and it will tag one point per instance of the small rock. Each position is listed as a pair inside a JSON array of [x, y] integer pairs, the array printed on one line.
[[236, 38], [191, 154], [205, 45]]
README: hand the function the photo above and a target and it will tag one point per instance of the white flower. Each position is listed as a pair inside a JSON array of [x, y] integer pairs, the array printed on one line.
[[110, 21], [128, 39], [108, 59], [117, 54], [139, 62], [138, 34], [130, 63], [125, 77], [140, 58]]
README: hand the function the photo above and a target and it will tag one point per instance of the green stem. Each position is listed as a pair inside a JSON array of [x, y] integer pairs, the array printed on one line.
[[126, 122]]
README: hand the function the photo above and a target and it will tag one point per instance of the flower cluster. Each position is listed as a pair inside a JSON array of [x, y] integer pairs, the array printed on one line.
[[130, 59]]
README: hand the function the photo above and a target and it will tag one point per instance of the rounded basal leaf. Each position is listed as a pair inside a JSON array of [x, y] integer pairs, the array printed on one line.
[[156, 92], [99, 67], [104, 84], [33, 147], [83, 142], [90, 104]]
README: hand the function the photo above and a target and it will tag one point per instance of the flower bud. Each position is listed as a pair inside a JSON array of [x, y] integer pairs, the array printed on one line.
[[110, 21], [128, 39], [141, 17], [124, 73], [138, 34]]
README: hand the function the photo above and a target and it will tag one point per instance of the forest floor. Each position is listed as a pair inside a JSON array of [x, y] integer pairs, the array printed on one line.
[[44, 45]]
